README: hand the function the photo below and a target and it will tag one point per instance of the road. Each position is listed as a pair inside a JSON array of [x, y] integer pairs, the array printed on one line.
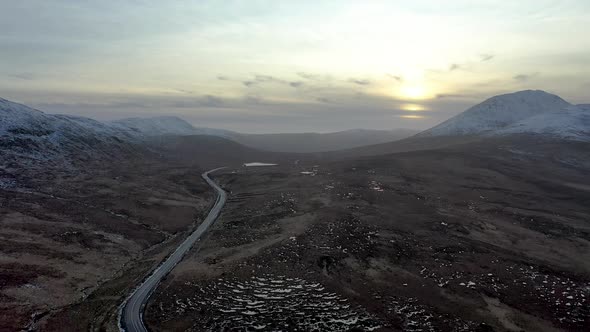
[[132, 312]]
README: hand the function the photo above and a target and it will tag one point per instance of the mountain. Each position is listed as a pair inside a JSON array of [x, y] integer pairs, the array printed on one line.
[[499, 112], [31, 139], [26, 133], [570, 123], [208, 151], [316, 142], [155, 126], [533, 116]]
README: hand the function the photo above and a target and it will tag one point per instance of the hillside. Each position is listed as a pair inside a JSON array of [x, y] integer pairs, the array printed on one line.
[[30, 135], [510, 118], [212, 151], [498, 112], [571, 123], [154, 126]]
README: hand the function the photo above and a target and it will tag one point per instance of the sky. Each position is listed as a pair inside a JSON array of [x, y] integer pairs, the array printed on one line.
[[289, 66]]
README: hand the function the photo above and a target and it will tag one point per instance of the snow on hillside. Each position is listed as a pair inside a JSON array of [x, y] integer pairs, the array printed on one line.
[[166, 125], [34, 135], [498, 112], [162, 125], [22, 120], [571, 123]]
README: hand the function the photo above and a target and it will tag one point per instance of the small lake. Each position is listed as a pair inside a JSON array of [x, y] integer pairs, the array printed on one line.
[[258, 164]]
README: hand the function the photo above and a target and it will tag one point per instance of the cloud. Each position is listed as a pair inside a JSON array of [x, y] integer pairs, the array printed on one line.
[[189, 92], [450, 95], [486, 57], [191, 102], [296, 84], [159, 103], [524, 77], [314, 77], [395, 77], [267, 78], [252, 100], [223, 78], [359, 81], [22, 76], [212, 101], [454, 66], [259, 79]]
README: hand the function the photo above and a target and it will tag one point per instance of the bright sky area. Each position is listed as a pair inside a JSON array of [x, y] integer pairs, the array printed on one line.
[[289, 66]]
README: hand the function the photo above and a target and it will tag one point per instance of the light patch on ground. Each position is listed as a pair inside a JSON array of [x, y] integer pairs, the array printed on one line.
[[258, 164], [273, 303]]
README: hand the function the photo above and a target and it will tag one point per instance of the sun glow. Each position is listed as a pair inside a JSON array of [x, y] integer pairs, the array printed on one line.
[[414, 91], [413, 107], [412, 116]]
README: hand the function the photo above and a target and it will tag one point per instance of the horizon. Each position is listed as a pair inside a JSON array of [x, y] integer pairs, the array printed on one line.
[[262, 67], [196, 126]]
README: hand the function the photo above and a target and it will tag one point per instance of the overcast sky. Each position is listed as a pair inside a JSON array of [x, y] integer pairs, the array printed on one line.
[[289, 66]]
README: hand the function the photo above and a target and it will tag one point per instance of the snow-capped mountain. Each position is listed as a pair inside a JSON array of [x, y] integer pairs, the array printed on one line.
[[34, 135], [572, 122], [524, 112], [498, 112], [29, 137]]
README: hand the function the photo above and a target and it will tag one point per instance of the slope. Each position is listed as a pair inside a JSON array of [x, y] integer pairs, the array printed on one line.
[[498, 112]]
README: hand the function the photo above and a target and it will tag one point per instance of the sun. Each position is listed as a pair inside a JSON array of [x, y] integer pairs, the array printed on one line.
[[414, 91]]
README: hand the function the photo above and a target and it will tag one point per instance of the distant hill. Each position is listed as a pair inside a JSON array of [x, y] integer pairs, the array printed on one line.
[[209, 151], [316, 142], [165, 125], [283, 142], [162, 125]]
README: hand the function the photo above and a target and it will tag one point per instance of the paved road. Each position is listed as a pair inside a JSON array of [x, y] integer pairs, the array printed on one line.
[[132, 313]]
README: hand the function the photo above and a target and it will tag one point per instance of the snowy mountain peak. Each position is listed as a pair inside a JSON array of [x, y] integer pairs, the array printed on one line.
[[498, 112]]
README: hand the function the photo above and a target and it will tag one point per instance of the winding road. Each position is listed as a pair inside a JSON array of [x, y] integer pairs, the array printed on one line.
[[132, 312]]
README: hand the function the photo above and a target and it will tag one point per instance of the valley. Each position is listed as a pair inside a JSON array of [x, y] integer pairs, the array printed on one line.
[[479, 226], [386, 244], [305, 166]]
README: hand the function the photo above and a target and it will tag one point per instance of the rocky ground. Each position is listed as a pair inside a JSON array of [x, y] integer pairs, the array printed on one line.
[[73, 241], [448, 240]]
